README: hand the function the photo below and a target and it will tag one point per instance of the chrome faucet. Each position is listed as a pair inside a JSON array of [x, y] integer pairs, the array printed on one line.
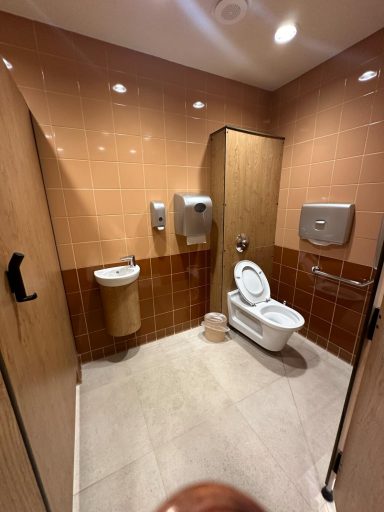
[[131, 260]]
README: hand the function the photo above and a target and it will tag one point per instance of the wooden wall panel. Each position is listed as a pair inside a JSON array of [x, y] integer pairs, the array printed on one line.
[[251, 180], [18, 488], [217, 195]]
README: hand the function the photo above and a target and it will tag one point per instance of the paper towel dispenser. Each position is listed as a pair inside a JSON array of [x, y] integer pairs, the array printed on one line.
[[193, 217], [326, 223]]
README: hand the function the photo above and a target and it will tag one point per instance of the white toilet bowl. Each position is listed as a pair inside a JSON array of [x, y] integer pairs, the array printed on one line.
[[252, 311]]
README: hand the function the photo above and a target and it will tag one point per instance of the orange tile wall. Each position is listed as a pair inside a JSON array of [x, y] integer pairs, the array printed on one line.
[[106, 155], [333, 152], [334, 147]]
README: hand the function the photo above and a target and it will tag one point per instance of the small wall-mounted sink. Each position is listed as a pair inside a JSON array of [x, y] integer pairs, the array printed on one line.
[[117, 276]]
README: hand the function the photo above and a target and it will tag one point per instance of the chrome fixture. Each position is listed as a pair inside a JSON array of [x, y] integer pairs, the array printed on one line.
[[242, 242], [360, 284], [131, 260]]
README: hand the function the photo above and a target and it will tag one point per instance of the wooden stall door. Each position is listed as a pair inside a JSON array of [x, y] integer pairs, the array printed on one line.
[[360, 481], [36, 344]]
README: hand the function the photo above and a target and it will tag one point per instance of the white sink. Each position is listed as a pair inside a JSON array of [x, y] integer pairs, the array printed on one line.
[[117, 276]]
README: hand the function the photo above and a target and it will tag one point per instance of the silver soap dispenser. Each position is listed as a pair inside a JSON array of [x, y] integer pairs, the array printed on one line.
[[157, 215]]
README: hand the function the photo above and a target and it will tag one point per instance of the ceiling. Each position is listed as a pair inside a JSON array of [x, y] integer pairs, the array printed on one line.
[[185, 31]]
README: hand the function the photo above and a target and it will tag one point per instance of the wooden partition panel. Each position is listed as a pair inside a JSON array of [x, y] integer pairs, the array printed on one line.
[[18, 489], [36, 342], [360, 480], [217, 233], [250, 177]]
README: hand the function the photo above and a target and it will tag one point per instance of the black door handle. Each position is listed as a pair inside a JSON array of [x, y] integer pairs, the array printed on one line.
[[15, 279]]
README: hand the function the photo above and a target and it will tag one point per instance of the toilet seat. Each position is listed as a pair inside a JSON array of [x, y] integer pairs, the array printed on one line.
[[251, 282]]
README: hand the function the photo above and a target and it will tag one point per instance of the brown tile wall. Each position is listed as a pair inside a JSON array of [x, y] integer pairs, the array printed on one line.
[[174, 296], [334, 147], [334, 313]]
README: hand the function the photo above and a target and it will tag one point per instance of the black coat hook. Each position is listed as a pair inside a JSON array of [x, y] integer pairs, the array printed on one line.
[[15, 279]]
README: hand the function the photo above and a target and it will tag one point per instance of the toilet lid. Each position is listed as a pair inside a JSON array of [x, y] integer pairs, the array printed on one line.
[[251, 282]]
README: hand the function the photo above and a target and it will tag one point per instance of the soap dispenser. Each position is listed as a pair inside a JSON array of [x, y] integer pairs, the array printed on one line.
[[158, 215]]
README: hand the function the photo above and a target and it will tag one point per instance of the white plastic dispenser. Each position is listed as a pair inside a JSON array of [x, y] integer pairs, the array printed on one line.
[[326, 223], [193, 217], [158, 215]]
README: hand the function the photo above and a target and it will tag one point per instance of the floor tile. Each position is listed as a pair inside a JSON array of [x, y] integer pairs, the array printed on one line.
[[273, 415], [144, 357], [76, 461], [241, 368], [312, 481], [104, 371], [180, 344], [112, 433], [177, 396], [135, 488], [317, 387], [229, 412], [300, 353], [225, 448]]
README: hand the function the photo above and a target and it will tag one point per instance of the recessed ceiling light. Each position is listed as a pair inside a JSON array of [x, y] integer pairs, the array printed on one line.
[[285, 33], [132, 151], [198, 104], [101, 148], [8, 65], [60, 150], [367, 75], [120, 88]]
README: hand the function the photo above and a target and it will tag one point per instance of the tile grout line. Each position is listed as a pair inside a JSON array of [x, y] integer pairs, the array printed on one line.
[[272, 454]]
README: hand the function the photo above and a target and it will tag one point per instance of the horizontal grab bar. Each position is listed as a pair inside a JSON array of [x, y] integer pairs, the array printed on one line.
[[359, 284]]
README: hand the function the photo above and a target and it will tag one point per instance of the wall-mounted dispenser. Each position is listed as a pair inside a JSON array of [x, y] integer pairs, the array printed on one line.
[[158, 215], [326, 223], [193, 217]]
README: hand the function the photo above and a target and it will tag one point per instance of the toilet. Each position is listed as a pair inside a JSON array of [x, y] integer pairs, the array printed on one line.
[[252, 311]]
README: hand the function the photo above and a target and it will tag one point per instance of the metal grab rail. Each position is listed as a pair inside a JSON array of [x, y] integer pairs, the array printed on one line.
[[359, 284]]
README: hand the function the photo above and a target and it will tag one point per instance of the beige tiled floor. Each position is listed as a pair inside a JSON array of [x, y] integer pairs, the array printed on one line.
[[182, 409]]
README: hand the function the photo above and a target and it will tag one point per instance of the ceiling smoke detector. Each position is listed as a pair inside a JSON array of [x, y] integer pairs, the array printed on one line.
[[229, 12]]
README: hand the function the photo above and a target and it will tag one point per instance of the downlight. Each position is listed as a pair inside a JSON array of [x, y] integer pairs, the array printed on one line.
[[8, 65], [285, 33], [198, 104], [229, 12], [120, 88], [367, 75]]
